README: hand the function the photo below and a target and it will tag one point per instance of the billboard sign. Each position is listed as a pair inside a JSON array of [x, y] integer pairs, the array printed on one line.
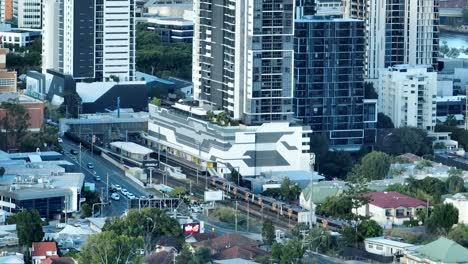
[[150, 164], [192, 228], [211, 196]]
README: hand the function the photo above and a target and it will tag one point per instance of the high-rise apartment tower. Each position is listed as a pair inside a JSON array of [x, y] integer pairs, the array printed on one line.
[[243, 57], [90, 39], [398, 32]]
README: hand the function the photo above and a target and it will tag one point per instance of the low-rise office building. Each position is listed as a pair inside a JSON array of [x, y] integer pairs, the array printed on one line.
[[184, 132], [106, 126], [20, 37], [172, 30], [7, 78], [51, 196]]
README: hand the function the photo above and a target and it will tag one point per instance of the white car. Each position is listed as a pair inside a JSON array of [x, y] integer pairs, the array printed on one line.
[[124, 191], [115, 196], [131, 195], [59, 140], [117, 187]]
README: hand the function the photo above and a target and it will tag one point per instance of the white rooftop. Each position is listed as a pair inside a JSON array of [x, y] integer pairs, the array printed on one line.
[[132, 147], [389, 242]]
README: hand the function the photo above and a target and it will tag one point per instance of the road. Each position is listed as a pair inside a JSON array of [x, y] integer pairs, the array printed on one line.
[[103, 168]]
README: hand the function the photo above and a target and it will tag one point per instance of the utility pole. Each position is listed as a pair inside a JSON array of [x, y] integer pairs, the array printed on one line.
[[80, 155], [190, 186], [151, 176], [236, 216], [102, 203], [311, 202], [248, 215], [107, 185]]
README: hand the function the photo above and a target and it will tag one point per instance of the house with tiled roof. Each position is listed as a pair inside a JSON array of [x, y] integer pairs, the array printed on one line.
[[391, 208], [42, 250], [230, 246], [441, 251], [58, 260]]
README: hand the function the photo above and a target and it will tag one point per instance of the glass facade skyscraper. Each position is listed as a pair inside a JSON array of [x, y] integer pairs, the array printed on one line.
[[329, 80]]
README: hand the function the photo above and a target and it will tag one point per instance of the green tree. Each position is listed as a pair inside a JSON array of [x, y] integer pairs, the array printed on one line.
[[459, 234], [154, 57], [149, 223], [28, 226], [178, 192], [428, 188], [85, 210], [355, 193], [336, 206], [384, 121], [451, 121], [291, 252], [320, 240], [201, 255], [373, 166], [442, 219], [369, 91], [15, 123], [406, 140], [455, 184], [319, 146], [289, 191], [297, 230], [369, 228], [109, 247], [336, 164], [465, 15], [268, 232], [156, 101]]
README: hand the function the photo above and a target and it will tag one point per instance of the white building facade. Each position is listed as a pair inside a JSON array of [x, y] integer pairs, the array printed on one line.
[[398, 31], [29, 14], [460, 201], [407, 94], [90, 39], [243, 58], [251, 150]]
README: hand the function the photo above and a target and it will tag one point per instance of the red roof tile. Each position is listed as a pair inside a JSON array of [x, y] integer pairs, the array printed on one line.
[[393, 200], [58, 260], [40, 248], [226, 241], [241, 252]]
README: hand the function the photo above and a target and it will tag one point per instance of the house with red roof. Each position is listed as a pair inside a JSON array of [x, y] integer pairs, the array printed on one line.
[[391, 208], [42, 250]]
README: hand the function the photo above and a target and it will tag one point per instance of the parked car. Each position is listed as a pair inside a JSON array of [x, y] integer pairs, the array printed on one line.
[[117, 187], [124, 191], [97, 178], [115, 196], [74, 152], [130, 195], [59, 140], [90, 165]]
